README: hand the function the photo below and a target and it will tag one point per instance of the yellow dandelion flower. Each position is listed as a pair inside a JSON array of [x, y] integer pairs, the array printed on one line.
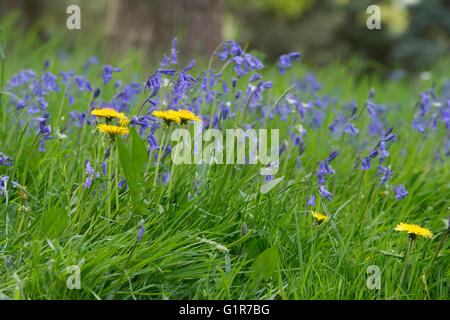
[[186, 115], [368, 258], [320, 217], [167, 116], [112, 130], [108, 113], [414, 230]]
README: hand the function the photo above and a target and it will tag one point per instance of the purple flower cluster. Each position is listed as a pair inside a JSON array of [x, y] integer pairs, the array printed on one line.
[[5, 161], [286, 61], [324, 169], [3, 183], [92, 174]]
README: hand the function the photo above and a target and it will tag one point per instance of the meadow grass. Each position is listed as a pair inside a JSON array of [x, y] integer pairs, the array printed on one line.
[[193, 246]]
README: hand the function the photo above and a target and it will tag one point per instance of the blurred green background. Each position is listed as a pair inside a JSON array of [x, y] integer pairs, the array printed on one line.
[[414, 34]]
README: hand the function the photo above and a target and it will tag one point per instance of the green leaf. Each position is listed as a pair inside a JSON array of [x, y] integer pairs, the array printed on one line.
[[128, 168], [265, 265], [138, 152]]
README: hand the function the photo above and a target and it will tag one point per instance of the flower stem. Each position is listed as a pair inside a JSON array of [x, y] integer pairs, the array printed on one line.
[[110, 184], [411, 243], [161, 146], [172, 176], [116, 175], [124, 269], [437, 252]]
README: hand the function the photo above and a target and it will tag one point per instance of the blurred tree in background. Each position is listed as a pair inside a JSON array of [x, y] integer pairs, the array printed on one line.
[[413, 34]]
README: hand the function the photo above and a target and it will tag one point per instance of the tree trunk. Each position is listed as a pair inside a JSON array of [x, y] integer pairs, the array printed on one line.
[[151, 25], [30, 9]]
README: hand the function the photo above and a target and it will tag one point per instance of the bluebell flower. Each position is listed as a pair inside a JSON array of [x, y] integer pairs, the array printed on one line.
[[389, 137], [400, 192], [325, 168], [93, 60], [164, 178], [383, 151], [46, 64], [66, 76], [107, 153], [107, 73], [43, 129], [4, 160], [122, 183], [234, 82], [371, 108], [332, 156], [351, 128], [366, 163], [299, 164], [3, 183], [246, 63], [373, 154], [83, 83], [320, 179], [418, 127], [22, 77], [96, 92], [42, 142], [308, 84], [50, 82], [225, 88], [254, 77], [167, 72], [285, 61], [386, 173], [224, 54], [71, 99], [103, 165], [324, 193], [235, 48], [141, 230], [352, 107], [318, 118], [165, 62], [174, 52], [190, 65], [312, 200], [91, 174]]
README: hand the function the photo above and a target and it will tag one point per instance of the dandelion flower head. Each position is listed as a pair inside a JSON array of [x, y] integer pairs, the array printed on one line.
[[168, 116], [108, 113], [414, 230], [320, 217], [112, 130]]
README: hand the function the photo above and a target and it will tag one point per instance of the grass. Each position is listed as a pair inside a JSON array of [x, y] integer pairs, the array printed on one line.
[[193, 246]]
